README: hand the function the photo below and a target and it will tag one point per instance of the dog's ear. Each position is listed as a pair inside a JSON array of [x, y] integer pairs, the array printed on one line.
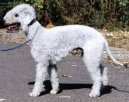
[[25, 11], [27, 19], [29, 10], [29, 14]]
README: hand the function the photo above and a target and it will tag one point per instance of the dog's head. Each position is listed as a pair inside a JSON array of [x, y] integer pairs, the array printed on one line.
[[23, 14]]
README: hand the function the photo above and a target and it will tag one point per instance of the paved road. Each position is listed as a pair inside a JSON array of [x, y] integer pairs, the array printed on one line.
[[17, 74]]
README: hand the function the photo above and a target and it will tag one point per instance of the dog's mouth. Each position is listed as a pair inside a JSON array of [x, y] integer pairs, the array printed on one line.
[[12, 27]]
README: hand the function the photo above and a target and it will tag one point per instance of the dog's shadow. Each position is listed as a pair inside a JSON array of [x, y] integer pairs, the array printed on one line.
[[67, 86]]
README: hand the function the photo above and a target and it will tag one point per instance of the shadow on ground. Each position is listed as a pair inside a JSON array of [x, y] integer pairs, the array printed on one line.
[[69, 86]]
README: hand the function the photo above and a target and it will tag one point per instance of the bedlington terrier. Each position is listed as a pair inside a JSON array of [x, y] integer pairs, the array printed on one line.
[[49, 46]]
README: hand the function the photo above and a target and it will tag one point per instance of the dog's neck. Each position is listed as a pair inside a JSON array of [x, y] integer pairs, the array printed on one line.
[[33, 29]]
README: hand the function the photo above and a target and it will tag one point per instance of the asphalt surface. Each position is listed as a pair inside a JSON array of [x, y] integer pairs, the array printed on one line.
[[17, 75]]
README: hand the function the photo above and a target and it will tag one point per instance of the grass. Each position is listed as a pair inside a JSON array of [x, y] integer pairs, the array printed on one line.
[[118, 38], [11, 37]]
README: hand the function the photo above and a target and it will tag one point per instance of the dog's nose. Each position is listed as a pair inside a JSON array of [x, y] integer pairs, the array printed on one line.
[[2, 23]]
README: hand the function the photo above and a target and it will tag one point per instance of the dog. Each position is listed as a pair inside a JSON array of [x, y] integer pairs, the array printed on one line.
[[50, 46]]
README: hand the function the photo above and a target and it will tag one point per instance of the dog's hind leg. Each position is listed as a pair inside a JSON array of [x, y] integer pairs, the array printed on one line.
[[91, 58], [41, 72], [104, 75], [54, 78]]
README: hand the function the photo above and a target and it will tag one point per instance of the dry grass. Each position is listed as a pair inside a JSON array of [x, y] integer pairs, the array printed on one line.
[[11, 37], [118, 38]]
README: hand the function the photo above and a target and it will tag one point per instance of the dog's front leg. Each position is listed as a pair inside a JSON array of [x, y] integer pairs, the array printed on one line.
[[41, 72]]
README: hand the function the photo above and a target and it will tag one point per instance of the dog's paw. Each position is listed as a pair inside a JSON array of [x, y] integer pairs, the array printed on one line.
[[53, 92], [94, 94], [34, 94]]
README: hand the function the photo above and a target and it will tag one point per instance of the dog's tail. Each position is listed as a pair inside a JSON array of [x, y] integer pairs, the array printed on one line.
[[111, 56]]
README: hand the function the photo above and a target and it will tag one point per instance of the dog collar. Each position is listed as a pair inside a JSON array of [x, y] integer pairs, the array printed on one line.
[[32, 22]]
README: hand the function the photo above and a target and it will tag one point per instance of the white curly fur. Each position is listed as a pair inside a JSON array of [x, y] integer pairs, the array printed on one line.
[[49, 46]]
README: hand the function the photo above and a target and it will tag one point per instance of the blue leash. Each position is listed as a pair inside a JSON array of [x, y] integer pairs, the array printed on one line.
[[15, 47]]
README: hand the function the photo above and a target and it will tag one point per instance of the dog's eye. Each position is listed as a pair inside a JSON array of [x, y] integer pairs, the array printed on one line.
[[16, 15]]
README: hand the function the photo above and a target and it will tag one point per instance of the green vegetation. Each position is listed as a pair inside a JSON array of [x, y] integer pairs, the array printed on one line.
[[109, 14]]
